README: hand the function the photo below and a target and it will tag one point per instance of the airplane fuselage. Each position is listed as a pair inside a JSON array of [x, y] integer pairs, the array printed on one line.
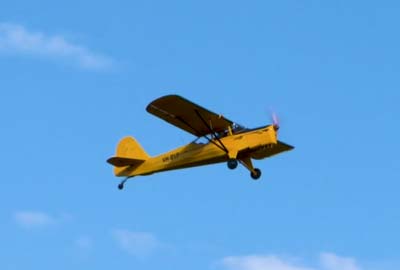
[[215, 151]]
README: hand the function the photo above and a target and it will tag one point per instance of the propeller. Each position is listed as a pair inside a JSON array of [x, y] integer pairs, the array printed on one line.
[[275, 121]]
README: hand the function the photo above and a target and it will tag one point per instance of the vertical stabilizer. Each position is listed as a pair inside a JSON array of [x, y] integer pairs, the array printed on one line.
[[129, 154], [128, 147]]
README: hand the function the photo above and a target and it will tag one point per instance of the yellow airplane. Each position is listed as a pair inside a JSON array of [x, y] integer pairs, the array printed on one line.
[[226, 142]]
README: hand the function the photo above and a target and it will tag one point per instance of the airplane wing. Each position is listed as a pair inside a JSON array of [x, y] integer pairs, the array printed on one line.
[[280, 147], [188, 116], [268, 152]]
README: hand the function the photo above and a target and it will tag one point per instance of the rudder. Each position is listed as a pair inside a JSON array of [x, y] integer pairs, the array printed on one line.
[[128, 147], [129, 153]]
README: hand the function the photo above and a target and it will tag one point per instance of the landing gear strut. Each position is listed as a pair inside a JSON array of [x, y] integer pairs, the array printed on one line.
[[232, 164], [121, 185], [255, 173]]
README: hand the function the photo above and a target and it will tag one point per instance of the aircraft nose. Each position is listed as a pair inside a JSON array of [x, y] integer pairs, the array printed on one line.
[[273, 135]]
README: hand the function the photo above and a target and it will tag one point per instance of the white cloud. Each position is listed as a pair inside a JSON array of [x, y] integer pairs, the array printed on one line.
[[15, 38], [327, 261], [139, 244], [269, 262], [32, 219], [330, 261]]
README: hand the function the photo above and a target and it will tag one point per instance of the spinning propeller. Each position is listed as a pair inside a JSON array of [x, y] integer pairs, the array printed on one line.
[[275, 121]]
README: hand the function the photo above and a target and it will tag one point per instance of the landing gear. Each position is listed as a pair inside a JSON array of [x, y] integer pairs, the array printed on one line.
[[121, 185], [232, 164], [255, 174]]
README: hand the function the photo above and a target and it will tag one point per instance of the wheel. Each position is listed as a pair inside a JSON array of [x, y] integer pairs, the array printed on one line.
[[256, 174], [232, 164], [120, 186]]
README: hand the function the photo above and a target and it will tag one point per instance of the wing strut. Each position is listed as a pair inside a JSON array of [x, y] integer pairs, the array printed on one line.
[[220, 145], [205, 136]]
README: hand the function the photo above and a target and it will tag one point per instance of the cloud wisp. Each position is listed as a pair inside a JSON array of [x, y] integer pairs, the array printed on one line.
[[327, 261], [33, 219], [16, 39], [260, 262], [84, 243], [330, 261], [138, 244]]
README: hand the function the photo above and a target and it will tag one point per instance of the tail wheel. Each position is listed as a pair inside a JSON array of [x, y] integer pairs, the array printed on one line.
[[121, 185], [232, 164], [255, 174]]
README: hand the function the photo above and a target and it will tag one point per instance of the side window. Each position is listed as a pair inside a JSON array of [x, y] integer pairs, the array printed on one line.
[[200, 140]]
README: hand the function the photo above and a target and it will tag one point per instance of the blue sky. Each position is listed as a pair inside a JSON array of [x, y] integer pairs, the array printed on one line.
[[77, 76]]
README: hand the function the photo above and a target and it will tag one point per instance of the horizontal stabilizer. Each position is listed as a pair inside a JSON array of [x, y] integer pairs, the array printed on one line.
[[122, 161]]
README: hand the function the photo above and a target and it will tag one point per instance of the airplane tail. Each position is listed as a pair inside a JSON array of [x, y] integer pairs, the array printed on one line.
[[129, 154]]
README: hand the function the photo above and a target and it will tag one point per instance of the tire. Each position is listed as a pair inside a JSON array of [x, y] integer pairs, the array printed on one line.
[[256, 174], [232, 164]]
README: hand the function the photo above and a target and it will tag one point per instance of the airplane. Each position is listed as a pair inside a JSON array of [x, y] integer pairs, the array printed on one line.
[[226, 141]]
